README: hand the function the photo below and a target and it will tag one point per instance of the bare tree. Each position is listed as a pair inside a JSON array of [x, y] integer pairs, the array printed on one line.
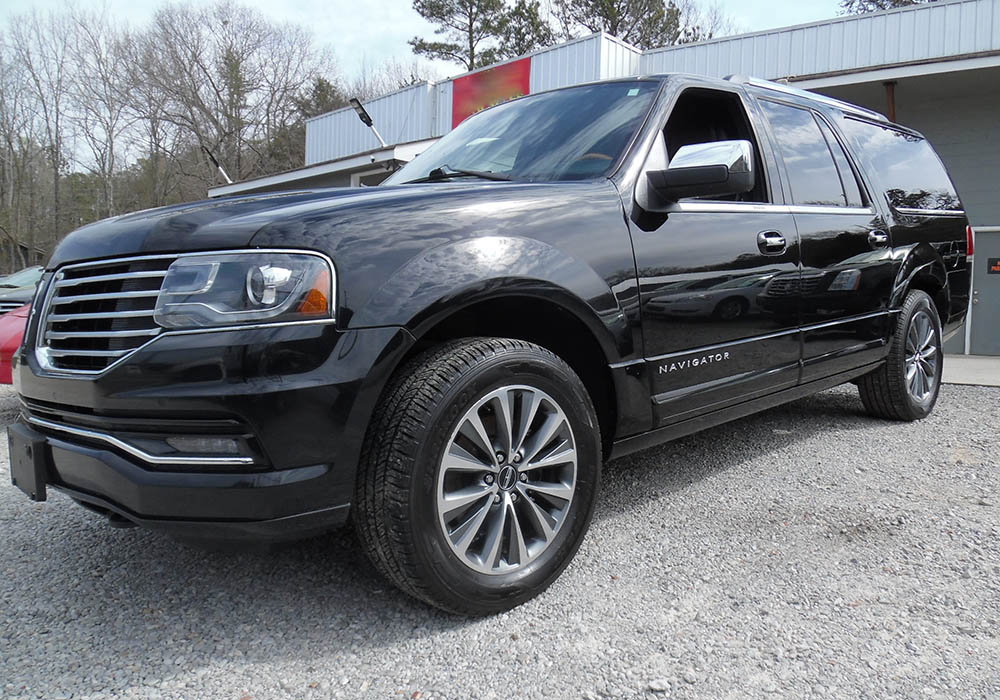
[[101, 93], [42, 44]]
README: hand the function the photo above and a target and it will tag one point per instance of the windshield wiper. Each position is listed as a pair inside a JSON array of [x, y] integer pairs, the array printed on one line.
[[446, 172]]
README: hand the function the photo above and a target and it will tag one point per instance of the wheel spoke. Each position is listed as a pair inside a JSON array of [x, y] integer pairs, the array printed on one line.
[[494, 536], [477, 433], [554, 458], [517, 544], [462, 536], [460, 459], [912, 339], [462, 498], [541, 518], [928, 340], [529, 409], [504, 414], [912, 372], [559, 490], [542, 437]]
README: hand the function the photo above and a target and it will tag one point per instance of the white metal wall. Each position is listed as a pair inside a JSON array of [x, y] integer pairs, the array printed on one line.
[[919, 33], [424, 111], [401, 116]]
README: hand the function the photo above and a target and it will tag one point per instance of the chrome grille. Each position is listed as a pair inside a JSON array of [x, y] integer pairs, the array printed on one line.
[[6, 306], [97, 313]]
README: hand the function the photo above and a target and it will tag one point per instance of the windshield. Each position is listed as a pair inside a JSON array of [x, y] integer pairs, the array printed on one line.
[[572, 134], [22, 278]]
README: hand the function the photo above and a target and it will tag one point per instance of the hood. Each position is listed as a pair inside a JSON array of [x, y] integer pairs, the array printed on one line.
[[209, 224], [22, 294]]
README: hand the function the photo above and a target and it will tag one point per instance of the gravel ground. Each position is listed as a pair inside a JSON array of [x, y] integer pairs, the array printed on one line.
[[805, 551]]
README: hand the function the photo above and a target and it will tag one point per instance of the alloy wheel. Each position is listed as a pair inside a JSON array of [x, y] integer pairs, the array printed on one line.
[[507, 479], [921, 356]]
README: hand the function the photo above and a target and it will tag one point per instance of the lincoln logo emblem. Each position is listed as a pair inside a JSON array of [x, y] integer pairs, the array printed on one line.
[[508, 475]]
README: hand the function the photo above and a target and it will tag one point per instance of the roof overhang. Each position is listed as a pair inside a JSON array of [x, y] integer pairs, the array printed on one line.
[[404, 153]]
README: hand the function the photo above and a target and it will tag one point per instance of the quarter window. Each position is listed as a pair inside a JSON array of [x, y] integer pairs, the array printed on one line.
[[812, 174], [909, 170]]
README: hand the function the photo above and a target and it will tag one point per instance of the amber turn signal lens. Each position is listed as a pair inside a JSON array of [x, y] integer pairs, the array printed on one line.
[[316, 301]]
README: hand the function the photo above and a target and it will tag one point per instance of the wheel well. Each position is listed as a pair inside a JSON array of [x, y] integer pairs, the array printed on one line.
[[546, 324], [927, 282]]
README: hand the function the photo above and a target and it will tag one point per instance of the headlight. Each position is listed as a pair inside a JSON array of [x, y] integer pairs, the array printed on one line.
[[845, 281], [225, 289]]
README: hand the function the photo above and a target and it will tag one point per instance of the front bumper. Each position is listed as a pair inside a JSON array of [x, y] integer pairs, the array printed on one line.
[[302, 396]]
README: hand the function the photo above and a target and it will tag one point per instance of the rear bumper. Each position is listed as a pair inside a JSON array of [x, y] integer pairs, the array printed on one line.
[[306, 425]]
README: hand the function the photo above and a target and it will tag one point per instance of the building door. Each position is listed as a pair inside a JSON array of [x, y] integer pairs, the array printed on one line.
[[985, 320]]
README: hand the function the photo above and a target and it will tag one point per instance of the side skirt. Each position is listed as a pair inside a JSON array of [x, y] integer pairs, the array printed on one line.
[[635, 443]]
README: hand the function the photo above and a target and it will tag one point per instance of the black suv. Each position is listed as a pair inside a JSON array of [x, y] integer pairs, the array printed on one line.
[[449, 358]]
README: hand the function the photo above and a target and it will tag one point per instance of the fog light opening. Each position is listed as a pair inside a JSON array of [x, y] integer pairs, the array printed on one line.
[[204, 445]]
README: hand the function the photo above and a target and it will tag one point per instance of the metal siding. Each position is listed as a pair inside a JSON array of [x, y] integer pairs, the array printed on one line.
[[400, 117], [576, 62], [946, 28]]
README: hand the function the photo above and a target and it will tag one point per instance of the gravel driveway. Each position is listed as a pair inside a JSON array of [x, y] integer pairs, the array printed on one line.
[[805, 551]]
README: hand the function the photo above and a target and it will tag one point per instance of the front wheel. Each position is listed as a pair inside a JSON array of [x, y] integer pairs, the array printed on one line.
[[479, 474], [906, 387]]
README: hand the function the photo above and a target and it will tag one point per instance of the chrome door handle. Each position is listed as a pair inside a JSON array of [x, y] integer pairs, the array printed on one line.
[[878, 239], [771, 243]]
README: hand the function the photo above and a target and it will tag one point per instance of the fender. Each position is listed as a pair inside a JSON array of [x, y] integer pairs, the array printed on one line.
[[919, 261], [449, 277]]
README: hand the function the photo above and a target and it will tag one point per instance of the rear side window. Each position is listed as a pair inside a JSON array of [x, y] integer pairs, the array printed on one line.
[[852, 192], [812, 174], [906, 165]]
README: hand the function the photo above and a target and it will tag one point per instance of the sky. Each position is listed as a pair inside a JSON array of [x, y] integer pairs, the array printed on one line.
[[373, 31]]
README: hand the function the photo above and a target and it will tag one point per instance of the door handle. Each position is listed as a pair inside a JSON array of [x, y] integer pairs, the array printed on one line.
[[878, 239], [771, 243]]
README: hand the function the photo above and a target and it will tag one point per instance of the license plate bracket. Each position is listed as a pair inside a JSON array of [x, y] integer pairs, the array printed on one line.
[[28, 461]]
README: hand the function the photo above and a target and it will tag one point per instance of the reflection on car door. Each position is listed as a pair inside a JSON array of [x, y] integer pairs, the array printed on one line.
[[844, 289], [702, 268]]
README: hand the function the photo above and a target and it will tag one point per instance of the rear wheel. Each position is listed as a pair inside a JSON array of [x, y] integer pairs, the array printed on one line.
[[906, 387], [479, 474]]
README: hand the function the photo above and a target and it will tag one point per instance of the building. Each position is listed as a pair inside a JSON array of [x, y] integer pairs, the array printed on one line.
[[934, 67]]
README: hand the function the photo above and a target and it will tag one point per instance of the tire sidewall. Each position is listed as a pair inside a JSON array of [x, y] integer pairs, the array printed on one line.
[[435, 556]]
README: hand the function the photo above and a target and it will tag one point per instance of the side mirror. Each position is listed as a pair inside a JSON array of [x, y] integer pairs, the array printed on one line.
[[713, 169]]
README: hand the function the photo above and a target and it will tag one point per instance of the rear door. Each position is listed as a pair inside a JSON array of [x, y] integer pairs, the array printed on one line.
[[847, 265], [702, 267]]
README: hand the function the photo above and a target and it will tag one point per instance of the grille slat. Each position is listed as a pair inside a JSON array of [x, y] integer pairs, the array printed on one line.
[[147, 274], [97, 313], [105, 297]]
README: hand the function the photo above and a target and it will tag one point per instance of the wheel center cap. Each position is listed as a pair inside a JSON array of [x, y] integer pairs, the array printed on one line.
[[507, 478]]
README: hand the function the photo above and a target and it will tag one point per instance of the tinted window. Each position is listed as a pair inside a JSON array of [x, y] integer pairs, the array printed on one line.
[[571, 134], [812, 174], [847, 176], [907, 166]]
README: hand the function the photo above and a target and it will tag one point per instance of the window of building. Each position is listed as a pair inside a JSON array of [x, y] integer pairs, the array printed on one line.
[[704, 116], [813, 177], [910, 172]]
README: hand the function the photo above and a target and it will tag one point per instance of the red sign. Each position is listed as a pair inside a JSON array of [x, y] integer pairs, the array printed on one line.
[[477, 91]]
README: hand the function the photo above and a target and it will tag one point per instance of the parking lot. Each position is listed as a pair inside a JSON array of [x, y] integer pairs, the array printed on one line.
[[805, 551]]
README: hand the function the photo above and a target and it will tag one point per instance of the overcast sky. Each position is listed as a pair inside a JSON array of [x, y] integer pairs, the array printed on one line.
[[376, 30]]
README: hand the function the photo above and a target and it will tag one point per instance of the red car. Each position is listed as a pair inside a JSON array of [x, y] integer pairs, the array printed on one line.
[[11, 331]]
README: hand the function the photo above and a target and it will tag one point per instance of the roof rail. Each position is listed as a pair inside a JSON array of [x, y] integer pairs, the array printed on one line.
[[798, 92]]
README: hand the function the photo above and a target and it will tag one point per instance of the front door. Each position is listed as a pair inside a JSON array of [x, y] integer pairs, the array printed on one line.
[[702, 268]]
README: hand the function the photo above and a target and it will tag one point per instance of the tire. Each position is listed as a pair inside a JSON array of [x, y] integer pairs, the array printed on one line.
[[731, 309], [405, 500], [898, 390]]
